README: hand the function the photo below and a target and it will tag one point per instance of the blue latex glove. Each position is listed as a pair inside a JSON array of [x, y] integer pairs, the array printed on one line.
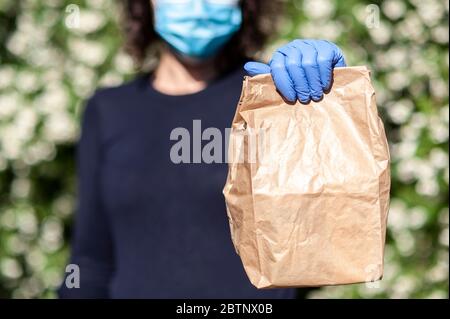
[[302, 69]]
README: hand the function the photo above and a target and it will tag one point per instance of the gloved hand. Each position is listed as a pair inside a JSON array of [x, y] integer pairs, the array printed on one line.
[[302, 69]]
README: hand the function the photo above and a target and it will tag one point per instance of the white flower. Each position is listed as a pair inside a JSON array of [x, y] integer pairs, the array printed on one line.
[[25, 123], [26, 222], [318, 9], [427, 187], [17, 43], [111, 79], [45, 57], [417, 217], [7, 74], [394, 9], [89, 52], [11, 142], [400, 111], [60, 127], [27, 81], [36, 259], [123, 63], [411, 28], [320, 30], [403, 287], [397, 220], [406, 170], [380, 35], [30, 287], [409, 133], [382, 62], [397, 57], [28, 39], [20, 187], [52, 76], [83, 79], [10, 102], [17, 245], [53, 99], [10, 268], [444, 237], [438, 158], [438, 273], [430, 11], [51, 235], [39, 151], [90, 21], [439, 88], [404, 150], [424, 170], [418, 121], [438, 129], [382, 94], [63, 205], [52, 229], [398, 80], [8, 219], [440, 34], [420, 66]]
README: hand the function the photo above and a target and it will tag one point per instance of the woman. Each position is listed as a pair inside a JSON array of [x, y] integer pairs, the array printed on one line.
[[147, 227]]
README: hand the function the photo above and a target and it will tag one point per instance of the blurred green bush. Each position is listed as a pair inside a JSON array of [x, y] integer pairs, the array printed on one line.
[[52, 59]]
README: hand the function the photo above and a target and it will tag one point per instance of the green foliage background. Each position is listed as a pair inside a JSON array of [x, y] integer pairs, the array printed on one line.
[[49, 66]]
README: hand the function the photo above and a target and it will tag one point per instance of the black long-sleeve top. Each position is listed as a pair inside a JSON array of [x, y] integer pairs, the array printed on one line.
[[145, 226]]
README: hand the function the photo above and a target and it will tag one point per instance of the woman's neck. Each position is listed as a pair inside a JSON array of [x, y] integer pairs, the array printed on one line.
[[175, 77]]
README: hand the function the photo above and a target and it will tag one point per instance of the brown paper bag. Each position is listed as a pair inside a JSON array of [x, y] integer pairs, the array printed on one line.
[[308, 205]]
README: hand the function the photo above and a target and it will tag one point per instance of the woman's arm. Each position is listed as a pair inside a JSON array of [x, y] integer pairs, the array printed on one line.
[[92, 247]]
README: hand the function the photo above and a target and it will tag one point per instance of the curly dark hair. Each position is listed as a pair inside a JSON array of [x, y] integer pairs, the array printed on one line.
[[259, 22]]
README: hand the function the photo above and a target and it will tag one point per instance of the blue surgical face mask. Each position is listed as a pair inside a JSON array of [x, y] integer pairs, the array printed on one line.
[[197, 28]]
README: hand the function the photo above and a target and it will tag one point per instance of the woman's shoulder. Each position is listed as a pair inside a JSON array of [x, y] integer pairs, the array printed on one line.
[[119, 94], [113, 104]]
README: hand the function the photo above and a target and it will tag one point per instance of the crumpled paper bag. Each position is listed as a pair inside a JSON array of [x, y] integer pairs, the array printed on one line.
[[307, 192]]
